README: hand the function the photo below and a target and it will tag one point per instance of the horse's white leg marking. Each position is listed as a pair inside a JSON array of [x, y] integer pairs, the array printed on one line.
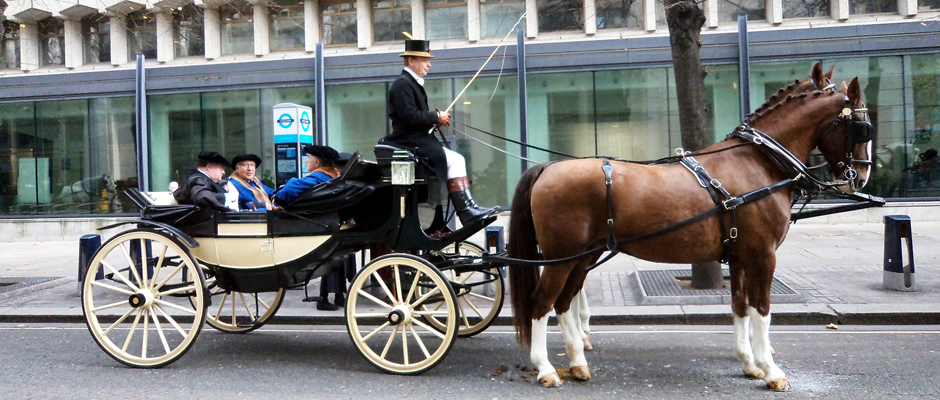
[[773, 376], [573, 344], [582, 312], [539, 351], [742, 347]]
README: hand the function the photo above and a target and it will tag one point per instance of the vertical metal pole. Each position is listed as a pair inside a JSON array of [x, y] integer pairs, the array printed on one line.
[[523, 95], [320, 95], [744, 68], [143, 136]]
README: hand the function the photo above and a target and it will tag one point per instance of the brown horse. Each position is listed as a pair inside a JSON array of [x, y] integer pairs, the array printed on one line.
[[562, 209], [816, 80]]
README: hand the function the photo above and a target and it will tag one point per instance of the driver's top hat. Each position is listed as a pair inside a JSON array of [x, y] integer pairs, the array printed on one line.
[[417, 48]]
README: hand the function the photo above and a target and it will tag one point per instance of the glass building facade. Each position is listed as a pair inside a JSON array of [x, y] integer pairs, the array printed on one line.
[[68, 156]]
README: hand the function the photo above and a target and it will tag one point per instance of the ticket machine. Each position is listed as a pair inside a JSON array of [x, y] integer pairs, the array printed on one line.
[[293, 128]]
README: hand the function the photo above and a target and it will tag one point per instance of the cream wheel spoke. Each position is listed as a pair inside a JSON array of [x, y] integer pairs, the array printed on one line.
[[419, 341], [404, 345], [384, 287], [377, 330], [172, 274], [233, 311], [143, 347], [428, 328], [397, 272], [178, 290], [170, 319], [430, 313], [426, 295], [107, 306], [156, 324], [251, 314], [143, 264], [472, 307], [466, 321], [370, 315], [130, 263], [118, 274], [171, 305], [414, 286], [130, 333], [480, 296], [391, 338], [118, 322], [114, 288], [158, 267], [221, 306], [365, 294]]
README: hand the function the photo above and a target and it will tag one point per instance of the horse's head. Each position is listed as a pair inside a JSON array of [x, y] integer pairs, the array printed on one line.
[[846, 143]]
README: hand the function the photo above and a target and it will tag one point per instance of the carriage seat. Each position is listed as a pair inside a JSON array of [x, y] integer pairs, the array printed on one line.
[[356, 182], [171, 214], [385, 154]]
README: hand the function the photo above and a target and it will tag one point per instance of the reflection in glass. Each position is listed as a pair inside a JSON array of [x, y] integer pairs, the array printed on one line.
[[928, 5], [175, 137], [188, 32], [238, 36], [767, 78], [52, 41], [96, 38], [924, 176], [499, 16], [339, 22], [19, 158], [632, 114], [561, 114], [729, 10], [10, 45], [873, 6], [287, 24], [389, 19], [113, 148], [560, 15], [141, 35], [619, 14], [805, 8], [721, 95], [446, 19], [356, 117]]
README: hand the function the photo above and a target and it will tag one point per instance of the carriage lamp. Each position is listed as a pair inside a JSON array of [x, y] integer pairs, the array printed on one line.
[[403, 172]]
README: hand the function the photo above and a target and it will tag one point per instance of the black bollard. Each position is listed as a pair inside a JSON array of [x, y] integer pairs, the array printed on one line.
[[87, 246], [898, 263]]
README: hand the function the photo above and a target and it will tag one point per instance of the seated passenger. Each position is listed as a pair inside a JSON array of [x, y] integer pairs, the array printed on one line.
[[320, 165], [252, 194], [202, 187]]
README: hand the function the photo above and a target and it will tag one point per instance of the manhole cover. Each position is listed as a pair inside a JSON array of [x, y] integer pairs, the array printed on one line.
[[672, 287]]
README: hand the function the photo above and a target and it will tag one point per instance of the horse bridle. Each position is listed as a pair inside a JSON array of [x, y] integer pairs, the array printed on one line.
[[856, 131]]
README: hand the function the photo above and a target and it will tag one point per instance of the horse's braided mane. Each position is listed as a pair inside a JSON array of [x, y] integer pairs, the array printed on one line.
[[753, 118], [772, 101]]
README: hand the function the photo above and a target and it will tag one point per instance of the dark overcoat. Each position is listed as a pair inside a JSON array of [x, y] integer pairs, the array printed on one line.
[[198, 189], [412, 120]]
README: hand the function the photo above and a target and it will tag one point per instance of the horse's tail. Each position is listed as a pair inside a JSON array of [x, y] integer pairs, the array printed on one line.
[[523, 244]]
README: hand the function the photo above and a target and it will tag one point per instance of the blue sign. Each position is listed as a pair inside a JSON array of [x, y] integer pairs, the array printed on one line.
[[305, 121], [285, 121]]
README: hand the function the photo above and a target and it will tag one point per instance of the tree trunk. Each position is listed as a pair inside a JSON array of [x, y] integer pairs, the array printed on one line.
[[685, 20]]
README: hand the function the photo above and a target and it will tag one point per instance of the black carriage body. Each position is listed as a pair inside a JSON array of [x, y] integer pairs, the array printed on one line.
[[264, 251]]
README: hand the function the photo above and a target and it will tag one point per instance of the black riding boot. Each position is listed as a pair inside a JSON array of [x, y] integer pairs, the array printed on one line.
[[467, 209]]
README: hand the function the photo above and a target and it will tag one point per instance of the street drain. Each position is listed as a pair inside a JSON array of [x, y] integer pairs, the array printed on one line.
[[672, 287]]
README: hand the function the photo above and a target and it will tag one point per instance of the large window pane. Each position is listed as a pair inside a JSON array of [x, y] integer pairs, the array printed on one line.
[[446, 19], [805, 8], [96, 38], [729, 10], [493, 109], [175, 137], [927, 5], [632, 114], [768, 78], [721, 95], [882, 85], [22, 181], [499, 16], [141, 35], [619, 14], [389, 19], [113, 147], [52, 42], [561, 114], [269, 98], [339, 22], [287, 24], [188, 32], [356, 117], [925, 79], [10, 45], [873, 6], [560, 15], [61, 136], [238, 35]]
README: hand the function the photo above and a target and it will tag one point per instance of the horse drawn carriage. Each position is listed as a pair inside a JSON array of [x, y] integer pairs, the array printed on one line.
[[149, 290]]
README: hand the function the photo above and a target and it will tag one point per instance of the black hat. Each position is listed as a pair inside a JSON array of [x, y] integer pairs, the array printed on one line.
[[322, 152], [246, 157], [417, 48], [343, 158], [930, 153], [212, 157]]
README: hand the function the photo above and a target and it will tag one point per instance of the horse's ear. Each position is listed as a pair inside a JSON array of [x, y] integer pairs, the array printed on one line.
[[843, 87], [818, 75], [855, 93], [831, 70]]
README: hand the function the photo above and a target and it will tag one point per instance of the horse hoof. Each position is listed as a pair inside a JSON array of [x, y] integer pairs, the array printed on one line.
[[581, 373], [757, 373], [550, 381], [587, 345], [779, 385]]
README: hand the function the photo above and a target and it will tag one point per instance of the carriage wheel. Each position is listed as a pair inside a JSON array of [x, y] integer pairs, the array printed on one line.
[[144, 313], [479, 293], [240, 312], [385, 321]]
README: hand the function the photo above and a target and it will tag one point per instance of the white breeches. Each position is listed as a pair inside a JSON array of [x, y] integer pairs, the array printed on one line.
[[456, 164]]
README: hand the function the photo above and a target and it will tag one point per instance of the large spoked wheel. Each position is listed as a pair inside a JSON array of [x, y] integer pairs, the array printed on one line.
[[385, 321], [144, 312], [240, 312], [479, 293]]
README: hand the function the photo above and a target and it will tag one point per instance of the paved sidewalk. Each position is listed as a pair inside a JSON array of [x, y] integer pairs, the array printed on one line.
[[836, 269]]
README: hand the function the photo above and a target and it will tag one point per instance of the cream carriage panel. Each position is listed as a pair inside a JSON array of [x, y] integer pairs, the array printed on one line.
[[291, 248]]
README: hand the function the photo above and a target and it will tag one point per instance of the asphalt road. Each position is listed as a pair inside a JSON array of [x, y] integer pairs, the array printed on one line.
[[863, 362]]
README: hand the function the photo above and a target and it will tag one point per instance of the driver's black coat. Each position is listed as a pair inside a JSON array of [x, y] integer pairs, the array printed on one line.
[[407, 107]]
